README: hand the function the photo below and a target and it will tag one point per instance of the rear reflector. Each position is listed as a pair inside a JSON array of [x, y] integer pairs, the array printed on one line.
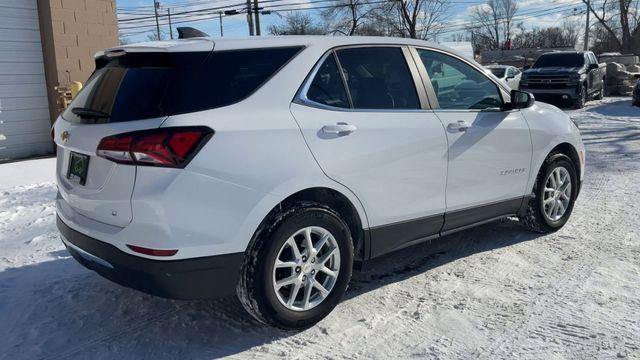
[[152, 252], [168, 147]]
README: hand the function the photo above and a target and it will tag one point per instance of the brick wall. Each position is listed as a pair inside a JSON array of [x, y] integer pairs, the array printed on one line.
[[72, 32]]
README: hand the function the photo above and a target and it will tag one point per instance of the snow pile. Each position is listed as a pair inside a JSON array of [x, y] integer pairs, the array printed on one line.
[[496, 291]]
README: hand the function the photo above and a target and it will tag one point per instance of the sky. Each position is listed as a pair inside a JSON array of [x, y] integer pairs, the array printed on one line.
[[136, 17]]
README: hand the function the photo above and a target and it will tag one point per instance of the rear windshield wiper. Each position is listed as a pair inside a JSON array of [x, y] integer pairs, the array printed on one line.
[[90, 113]]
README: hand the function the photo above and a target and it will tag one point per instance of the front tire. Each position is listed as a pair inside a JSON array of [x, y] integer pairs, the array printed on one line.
[[553, 196], [298, 267]]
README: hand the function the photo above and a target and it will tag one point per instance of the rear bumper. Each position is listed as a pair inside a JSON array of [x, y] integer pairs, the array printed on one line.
[[197, 278]]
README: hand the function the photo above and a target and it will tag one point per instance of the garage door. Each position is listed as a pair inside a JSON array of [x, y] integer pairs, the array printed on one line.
[[24, 113]]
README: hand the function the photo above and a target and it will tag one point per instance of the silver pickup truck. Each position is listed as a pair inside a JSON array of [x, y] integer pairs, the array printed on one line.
[[572, 77]]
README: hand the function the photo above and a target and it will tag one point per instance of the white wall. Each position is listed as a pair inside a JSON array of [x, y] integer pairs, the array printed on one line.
[[24, 113]]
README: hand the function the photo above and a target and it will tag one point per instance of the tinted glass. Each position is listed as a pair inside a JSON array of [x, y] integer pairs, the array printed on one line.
[[560, 60], [457, 84], [498, 72], [327, 86], [139, 86], [378, 78]]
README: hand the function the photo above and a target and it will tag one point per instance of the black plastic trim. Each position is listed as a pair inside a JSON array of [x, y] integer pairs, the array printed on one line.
[[388, 238], [465, 217], [196, 278]]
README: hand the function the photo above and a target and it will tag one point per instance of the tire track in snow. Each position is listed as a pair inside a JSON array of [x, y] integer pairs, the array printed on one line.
[[548, 318]]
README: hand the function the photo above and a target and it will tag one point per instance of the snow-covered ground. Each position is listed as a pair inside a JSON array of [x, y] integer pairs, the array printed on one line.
[[496, 291]]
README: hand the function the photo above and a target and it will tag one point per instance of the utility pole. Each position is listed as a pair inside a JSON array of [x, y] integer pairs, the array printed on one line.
[[257, 11], [156, 5], [586, 29], [220, 17], [249, 18], [170, 28]]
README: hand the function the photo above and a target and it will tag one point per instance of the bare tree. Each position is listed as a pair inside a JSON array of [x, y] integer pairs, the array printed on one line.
[[421, 19], [602, 41], [493, 24], [383, 20], [621, 21], [418, 19], [565, 35], [153, 36], [124, 39], [297, 24], [508, 10], [348, 16], [459, 37]]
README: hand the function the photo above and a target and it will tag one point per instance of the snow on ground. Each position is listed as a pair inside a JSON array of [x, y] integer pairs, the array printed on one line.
[[27, 172], [492, 292]]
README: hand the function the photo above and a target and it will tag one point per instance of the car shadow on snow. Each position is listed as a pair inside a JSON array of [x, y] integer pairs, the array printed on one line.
[[421, 258], [57, 309]]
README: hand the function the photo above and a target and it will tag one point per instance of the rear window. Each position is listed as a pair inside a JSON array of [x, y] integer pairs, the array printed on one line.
[[140, 86], [559, 60]]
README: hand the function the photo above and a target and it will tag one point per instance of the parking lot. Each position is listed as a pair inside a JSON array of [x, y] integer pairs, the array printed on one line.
[[496, 291]]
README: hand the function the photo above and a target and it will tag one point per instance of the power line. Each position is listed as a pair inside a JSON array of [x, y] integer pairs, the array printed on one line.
[[208, 13], [185, 12]]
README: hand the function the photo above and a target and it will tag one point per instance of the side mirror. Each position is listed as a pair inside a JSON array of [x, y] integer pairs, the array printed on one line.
[[637, 76], [594, 66], [526, 67], [521, 100]]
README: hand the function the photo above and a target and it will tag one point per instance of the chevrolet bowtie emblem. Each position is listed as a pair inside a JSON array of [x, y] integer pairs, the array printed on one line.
[[65, 136]]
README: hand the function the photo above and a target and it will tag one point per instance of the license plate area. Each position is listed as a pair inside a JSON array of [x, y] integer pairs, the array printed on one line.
[[78, 168]]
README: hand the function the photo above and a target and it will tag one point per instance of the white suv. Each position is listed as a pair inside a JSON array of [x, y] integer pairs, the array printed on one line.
[[267, 167]]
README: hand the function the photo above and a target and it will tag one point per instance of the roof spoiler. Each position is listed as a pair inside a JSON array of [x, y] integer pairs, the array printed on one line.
[[189, 32]]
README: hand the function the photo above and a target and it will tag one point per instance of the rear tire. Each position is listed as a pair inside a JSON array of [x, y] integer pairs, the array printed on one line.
[[317, 276], [549, 210]]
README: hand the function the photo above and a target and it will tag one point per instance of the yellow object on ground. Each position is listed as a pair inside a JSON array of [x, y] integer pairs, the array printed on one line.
[[75, 86]]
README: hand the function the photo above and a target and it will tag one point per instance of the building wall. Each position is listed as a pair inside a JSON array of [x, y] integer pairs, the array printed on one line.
[[72, 32], [24, 113]]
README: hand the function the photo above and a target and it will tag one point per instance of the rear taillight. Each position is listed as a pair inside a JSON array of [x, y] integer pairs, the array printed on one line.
[[170, 147]]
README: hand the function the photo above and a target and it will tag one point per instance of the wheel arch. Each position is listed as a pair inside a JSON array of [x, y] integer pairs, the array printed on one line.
[[348, 207], [340, 204], [569, 150]]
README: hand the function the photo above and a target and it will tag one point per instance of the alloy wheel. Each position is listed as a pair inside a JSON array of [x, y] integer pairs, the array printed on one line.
[[306, 268], [557, 193]]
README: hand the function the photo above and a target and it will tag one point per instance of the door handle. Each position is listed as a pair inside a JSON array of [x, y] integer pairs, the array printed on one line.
[[339, 129], [459, 126]]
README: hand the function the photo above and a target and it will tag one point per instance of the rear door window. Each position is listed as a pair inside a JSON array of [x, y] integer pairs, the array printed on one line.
[[140, 86], [378, 78], [327, 87]]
